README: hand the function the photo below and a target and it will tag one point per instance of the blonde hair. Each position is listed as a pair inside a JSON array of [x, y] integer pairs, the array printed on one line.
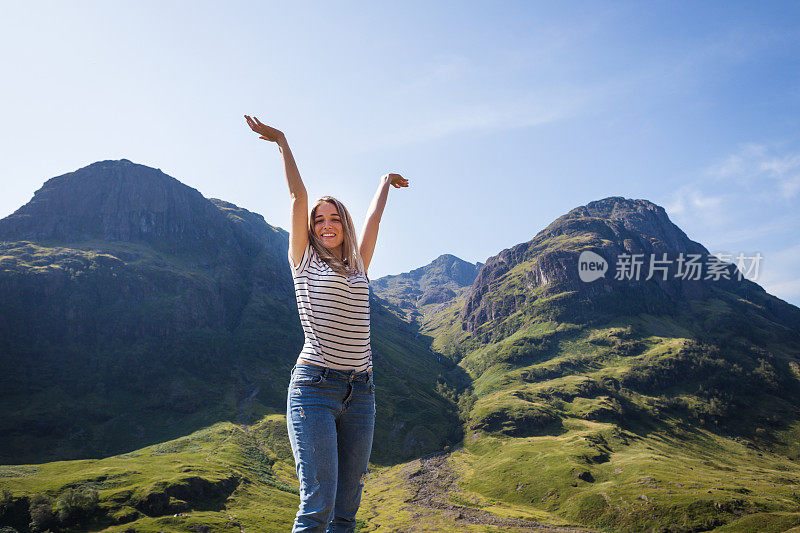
[[351, 262]]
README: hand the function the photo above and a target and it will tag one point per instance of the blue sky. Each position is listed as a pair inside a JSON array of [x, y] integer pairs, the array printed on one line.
[[503, 115]]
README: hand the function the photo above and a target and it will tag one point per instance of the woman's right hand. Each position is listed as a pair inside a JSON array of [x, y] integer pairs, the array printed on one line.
[[267, 133]]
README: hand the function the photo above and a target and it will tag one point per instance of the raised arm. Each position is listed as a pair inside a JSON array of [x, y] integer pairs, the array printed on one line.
[[369, 233], [298, 232]]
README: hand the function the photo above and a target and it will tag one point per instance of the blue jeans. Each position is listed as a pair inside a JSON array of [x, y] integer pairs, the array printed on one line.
[[330, 415]]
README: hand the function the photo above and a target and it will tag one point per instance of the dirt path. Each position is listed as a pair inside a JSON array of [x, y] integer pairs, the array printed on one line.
[[434, 480]]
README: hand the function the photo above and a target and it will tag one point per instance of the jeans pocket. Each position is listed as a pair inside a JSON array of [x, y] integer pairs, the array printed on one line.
[[307, 380]]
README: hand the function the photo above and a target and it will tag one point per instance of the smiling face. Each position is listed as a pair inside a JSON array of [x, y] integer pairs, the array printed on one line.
[[328, 227]]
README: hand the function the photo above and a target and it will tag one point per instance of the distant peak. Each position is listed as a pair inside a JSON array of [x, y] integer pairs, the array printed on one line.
[[445, 257]]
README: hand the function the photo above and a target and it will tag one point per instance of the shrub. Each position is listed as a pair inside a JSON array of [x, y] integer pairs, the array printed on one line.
[[74, 505], [13, 512], [41, 510]]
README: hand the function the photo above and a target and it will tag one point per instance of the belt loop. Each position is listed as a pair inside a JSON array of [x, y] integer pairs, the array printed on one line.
[[325, 373]]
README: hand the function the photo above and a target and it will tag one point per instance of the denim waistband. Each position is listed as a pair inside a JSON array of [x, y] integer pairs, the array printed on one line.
[[332, 373]]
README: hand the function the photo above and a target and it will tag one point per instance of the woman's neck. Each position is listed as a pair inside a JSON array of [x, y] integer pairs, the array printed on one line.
[[337, 252]]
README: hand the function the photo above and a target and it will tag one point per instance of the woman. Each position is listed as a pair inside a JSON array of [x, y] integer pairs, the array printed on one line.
[[330, 407]]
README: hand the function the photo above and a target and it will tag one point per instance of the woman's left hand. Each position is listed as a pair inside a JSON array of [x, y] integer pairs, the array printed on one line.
[[395, 179]]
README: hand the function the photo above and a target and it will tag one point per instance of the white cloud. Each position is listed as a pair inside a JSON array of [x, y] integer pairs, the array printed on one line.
[[691, 203], [705, 202], [785, 290], [791, 253], [743, 203], [440, 72], [790, 186], [523, 112], [779, 272], [753, 166], [532, 109], [780, 166], [555, 99], [737, 165], [751, 232]]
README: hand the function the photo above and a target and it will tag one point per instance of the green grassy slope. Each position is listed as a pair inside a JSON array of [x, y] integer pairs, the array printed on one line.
[[230, 478], [644, 423], [223, 477]]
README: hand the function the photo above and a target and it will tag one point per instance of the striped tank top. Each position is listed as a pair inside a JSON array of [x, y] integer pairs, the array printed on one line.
[[334, 313]]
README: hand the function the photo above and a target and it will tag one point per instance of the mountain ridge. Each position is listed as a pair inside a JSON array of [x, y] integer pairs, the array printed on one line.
[[436, 283], [622, 405]]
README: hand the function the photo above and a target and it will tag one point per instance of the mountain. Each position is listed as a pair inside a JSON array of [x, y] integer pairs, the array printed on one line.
[[569, 392], [135, 310], [436, 283], [202, 256], [601, 384], [610, 227], [123, 201]]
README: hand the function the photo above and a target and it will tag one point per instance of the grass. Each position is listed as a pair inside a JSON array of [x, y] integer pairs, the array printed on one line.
[[593, 473], [682, 480], [211, 474]]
